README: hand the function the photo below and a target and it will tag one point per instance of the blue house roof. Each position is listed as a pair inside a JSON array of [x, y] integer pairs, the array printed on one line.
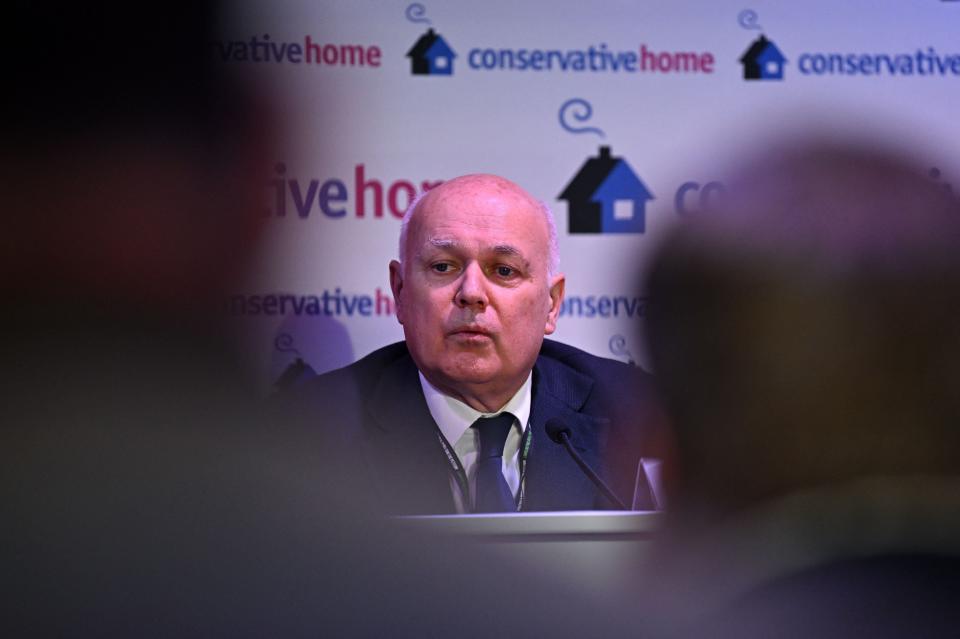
[[439, 49], [771, 53], [621, 184]]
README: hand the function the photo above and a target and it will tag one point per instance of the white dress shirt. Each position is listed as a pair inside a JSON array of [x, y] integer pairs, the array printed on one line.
[[455, 418]]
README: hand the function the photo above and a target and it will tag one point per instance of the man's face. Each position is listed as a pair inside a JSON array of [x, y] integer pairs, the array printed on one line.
[[474, 294]]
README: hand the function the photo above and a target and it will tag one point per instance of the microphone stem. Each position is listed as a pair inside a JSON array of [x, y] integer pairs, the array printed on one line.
[[589, 472]]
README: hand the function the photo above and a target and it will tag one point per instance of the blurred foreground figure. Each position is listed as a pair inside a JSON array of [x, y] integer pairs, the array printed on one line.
[[806, 341], [141, 494]]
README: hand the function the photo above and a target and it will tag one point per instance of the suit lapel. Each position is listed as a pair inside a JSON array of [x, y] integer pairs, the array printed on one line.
[[402, 447], [553, 481]]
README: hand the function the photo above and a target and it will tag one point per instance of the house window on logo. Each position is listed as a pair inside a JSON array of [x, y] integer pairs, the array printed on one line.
[[773, 68], [440, 62], [623, 209]]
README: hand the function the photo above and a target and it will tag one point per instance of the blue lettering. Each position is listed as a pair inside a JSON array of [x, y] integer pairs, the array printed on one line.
[[561, 59], [349, 303], [332, 191], [523, 60], [851, 64], [270, 304], [536, 60], [489, 61], [679, 200], [578, 61], [887, 62], [294, 53], [279, 51], [365, 307], [302, 203], [603, 306], [591, 306]]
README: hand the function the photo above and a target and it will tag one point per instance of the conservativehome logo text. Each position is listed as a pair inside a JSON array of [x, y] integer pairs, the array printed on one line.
[[263, 49], [920, 63], [293, 196], [592, 59]]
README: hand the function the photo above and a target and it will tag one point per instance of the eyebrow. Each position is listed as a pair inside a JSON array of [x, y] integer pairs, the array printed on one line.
[[506, 249], [441, 243]]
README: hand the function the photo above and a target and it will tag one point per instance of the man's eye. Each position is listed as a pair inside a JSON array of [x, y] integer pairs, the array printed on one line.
[[505, 271], [442, 267]]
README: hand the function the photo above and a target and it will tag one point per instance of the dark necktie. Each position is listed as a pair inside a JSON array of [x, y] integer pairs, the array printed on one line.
[[493, 493]]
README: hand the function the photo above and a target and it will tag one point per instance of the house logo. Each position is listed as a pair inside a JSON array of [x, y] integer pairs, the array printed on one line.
[[431, 55], [763, 61], [606, 196]]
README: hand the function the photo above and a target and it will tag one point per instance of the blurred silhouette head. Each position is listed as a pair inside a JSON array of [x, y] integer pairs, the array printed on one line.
[[130, 165], [805, 331]]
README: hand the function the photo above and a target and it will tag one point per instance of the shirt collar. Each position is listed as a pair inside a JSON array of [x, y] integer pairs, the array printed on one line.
[[454, 417]]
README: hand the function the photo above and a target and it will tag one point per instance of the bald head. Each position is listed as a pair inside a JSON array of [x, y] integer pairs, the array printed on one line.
[[497, 192]]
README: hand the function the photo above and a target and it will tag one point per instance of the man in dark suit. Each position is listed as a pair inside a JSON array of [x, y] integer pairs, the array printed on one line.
[[454, 418]]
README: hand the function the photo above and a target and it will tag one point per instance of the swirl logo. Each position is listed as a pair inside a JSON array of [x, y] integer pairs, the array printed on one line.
[[416, 12], [581, 111], [748, 19]]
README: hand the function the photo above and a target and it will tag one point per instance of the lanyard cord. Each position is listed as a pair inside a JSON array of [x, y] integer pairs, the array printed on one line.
[[456, 467], [527, 440]]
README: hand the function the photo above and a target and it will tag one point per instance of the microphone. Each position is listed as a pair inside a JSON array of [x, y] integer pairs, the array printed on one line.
[[560, 434]]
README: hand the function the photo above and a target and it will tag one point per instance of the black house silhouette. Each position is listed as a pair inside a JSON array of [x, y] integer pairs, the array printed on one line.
[[580, 191]]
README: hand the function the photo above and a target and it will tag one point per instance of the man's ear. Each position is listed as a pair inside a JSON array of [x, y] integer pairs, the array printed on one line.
[[557, 283], [396, 285]]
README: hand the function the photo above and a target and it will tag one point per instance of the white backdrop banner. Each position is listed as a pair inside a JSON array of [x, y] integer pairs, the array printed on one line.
[[623, 117]]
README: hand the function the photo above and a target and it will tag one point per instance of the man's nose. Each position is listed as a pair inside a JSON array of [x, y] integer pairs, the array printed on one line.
[[472, 290]]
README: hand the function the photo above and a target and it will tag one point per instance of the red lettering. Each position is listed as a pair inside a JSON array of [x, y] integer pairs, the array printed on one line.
[[397, 186], [675, 61], [361, 184], [329, 54], [312, 50], [386, 301], [706, 62]]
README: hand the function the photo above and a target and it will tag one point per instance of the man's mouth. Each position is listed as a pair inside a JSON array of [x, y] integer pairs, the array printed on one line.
[[468, 333]]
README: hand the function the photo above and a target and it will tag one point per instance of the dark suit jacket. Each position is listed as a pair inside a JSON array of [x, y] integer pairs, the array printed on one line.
[[377, 431]]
